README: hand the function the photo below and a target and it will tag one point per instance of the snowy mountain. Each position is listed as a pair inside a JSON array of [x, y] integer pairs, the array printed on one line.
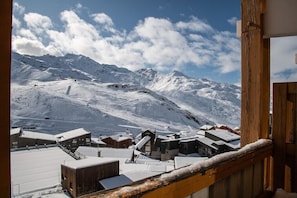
[[55, 94]]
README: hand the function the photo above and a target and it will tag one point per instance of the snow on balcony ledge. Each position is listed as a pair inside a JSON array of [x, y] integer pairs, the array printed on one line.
[[185, 172]]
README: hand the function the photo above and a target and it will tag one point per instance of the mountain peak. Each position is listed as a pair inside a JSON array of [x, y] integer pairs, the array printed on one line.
[[178, 73]]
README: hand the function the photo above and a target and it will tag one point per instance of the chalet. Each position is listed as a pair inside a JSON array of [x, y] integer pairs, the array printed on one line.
[[207, 147], [218, 141], [149, 144], [97, 142], [223, 135], [71, 140], [188, 146], [169, 149], [117, 141], [81, 177], [21, 138]]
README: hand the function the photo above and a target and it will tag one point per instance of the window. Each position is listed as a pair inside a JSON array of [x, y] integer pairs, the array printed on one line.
[[70, 186]]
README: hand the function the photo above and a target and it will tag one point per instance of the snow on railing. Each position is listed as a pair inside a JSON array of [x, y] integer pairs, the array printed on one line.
[[201, 167]]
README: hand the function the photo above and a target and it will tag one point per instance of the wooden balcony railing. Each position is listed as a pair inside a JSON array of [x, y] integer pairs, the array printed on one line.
[[231, 174]]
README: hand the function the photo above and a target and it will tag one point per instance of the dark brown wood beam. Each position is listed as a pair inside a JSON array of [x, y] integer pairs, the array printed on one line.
[[255, 73], [5, 57]]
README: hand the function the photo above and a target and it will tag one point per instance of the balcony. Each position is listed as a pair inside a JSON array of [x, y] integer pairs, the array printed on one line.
[[256, 170]]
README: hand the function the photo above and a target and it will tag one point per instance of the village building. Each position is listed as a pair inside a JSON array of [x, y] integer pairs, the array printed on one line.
[[188, 146], [148, 142], [81, 177], [223, 135], [71, 140], [97, 142], [121, 140], [22, 138], [169, 149]]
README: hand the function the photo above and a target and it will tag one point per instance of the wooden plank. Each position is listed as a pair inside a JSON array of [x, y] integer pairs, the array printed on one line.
[[184, 187], [247, 182], [235, 185], [204, 193], [220, 189], [5, 57], [279, 133], [292, 90], [268, 171], [258, 178], [255, 73]]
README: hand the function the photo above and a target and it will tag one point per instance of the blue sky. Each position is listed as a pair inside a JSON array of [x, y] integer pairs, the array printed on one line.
[[196, 37]]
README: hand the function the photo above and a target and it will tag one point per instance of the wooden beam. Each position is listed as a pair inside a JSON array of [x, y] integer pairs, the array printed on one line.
[[5, 57], [284, 135], [255, 74]]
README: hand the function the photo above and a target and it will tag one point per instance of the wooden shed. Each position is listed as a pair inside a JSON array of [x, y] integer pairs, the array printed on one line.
[[81, 177]]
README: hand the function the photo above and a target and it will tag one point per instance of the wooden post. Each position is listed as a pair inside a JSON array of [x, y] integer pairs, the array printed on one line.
[[255, 96], [284, 135], [5, 57]]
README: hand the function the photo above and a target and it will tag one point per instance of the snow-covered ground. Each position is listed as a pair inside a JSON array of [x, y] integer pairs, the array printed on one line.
[[56, 94]]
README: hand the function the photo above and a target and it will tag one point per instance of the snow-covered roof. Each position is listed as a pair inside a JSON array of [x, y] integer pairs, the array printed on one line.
[[133, 172], [36, 135], [207, 142], [185, 161], [206, 127], [15, 131], [224, 135], [88, 162], [71, 134], [105, 152], [97, 141], [142, 142], [114, 182], [234, 144], [120, 137], [36, 169]]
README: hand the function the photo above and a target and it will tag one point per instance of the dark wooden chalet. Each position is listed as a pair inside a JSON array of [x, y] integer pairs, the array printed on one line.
[[188, 146], [82, 177], [71, 140], [117, 141], [20, 138]]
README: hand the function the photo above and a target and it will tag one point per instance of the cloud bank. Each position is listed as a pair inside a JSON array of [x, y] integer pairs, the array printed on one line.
[[157, 43]]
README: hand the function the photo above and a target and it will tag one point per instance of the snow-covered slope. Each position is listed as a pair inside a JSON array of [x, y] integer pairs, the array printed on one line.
[[56, 94], [219, 102]]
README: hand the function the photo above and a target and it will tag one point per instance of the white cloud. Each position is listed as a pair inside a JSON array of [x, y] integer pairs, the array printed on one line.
[[17, 8], [282, 59], [232, 20], [102, 18], [28, 46], [154, 42], [37, 23], [195, 25], [16, 23], [78, 6]]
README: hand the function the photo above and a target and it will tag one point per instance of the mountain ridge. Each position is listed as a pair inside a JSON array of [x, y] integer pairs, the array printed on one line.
[[106, 99]]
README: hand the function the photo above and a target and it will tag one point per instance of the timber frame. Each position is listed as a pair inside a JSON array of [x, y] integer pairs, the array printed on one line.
[[5, 57], [255, 100], [255, 73]]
